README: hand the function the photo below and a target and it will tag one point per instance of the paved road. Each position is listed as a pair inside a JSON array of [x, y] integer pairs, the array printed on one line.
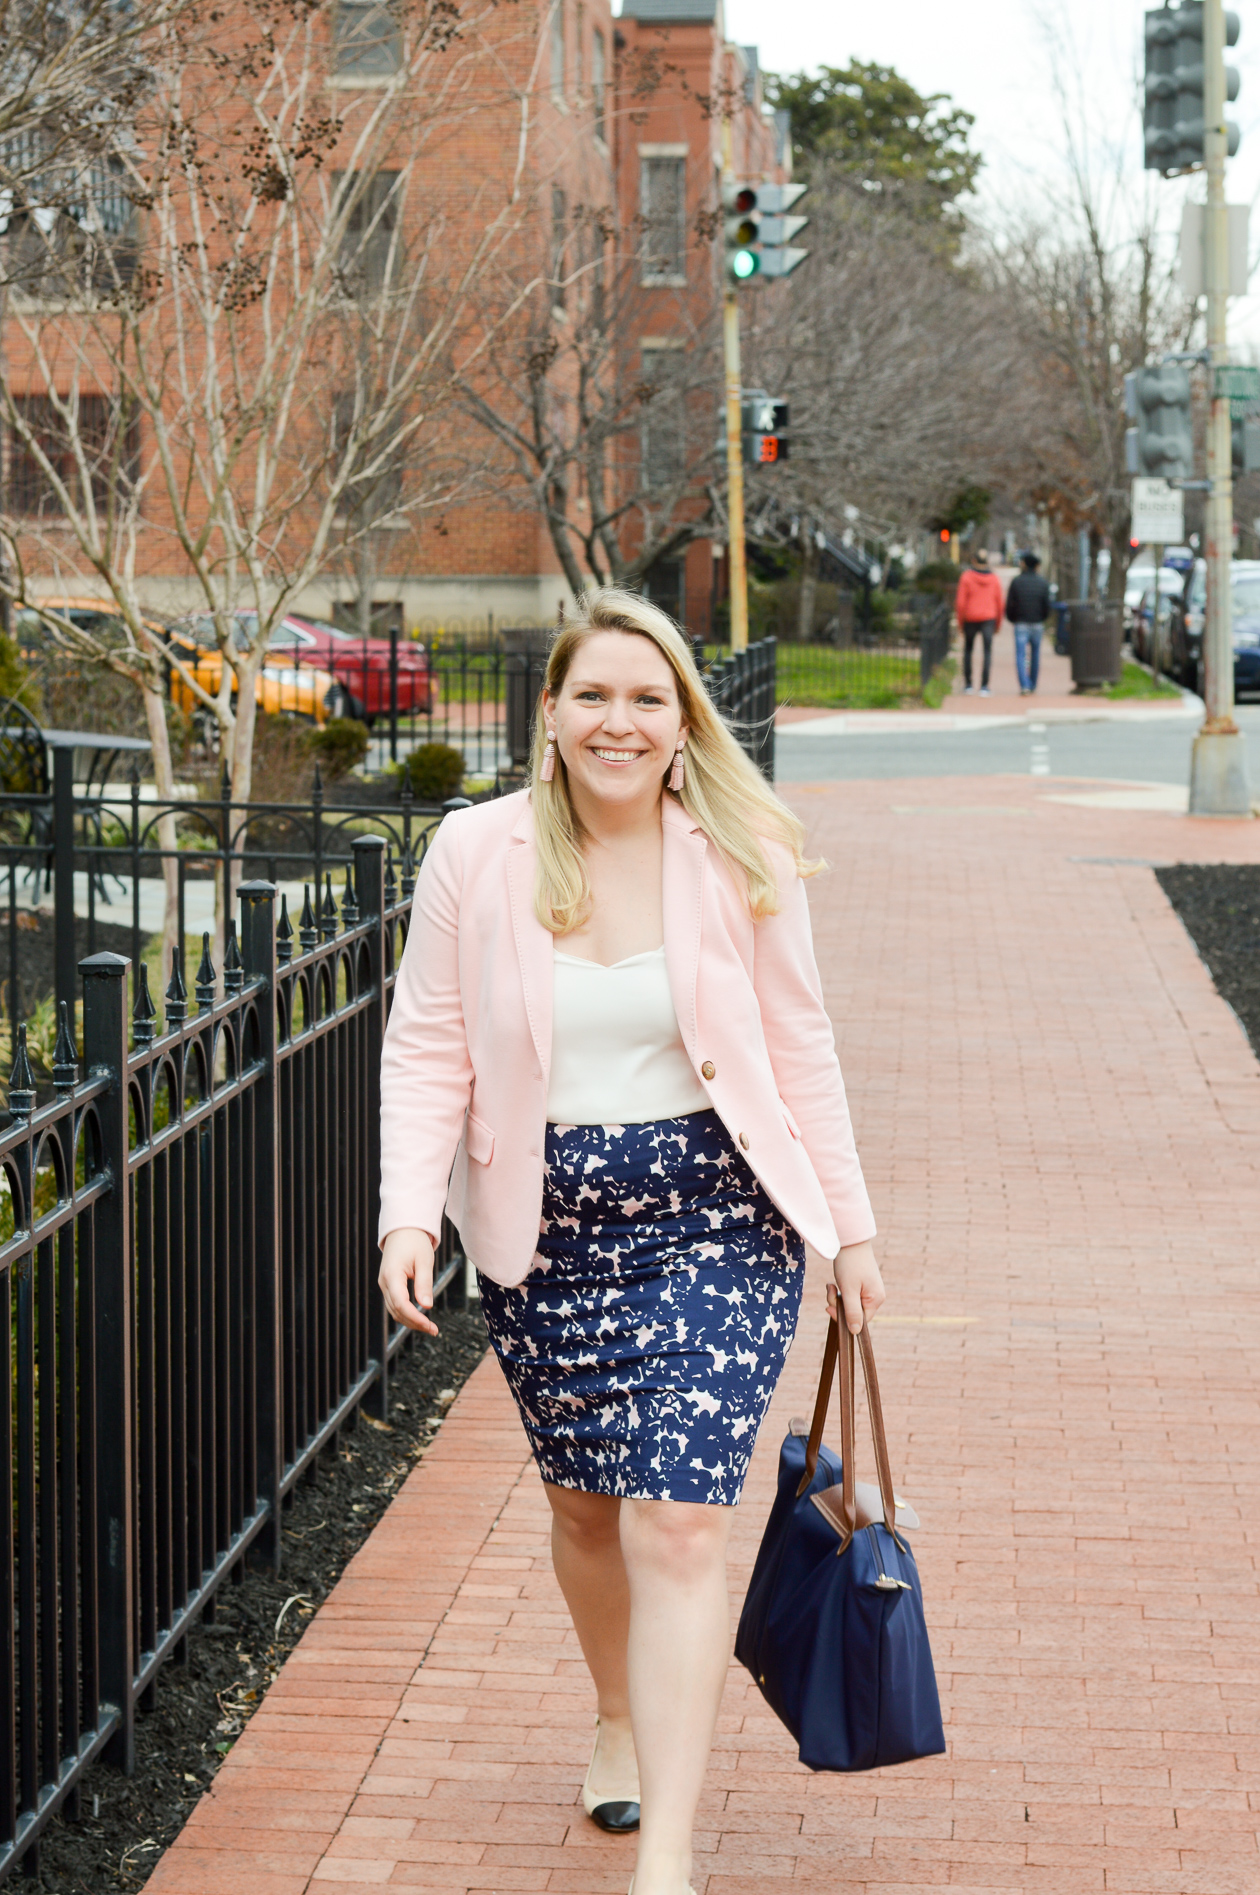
[[1149, 752]]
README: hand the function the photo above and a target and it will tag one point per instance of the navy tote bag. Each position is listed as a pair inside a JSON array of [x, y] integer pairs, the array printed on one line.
[[832, 1628]]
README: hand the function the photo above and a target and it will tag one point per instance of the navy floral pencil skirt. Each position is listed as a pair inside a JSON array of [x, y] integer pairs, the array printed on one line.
[[645, 1344]]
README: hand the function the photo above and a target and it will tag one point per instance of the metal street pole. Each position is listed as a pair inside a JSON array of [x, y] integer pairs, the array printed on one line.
[[734, 441], [1218, 767]]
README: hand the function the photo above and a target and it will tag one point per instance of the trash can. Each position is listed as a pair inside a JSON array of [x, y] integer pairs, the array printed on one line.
[[1061, 609], [1094, 636], [524, 669]]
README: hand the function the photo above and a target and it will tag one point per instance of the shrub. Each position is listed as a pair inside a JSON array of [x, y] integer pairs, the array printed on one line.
[[436, 772], [338, 746]]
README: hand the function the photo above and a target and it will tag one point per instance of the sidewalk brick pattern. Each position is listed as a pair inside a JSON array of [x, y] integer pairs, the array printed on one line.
[[1061, 1127]]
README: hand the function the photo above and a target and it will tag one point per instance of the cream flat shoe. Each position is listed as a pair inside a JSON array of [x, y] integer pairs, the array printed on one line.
[[619, 1815]]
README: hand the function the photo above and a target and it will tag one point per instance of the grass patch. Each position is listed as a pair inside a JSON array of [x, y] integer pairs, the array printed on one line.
[[822, 678], [1135, 682], [940, 684]]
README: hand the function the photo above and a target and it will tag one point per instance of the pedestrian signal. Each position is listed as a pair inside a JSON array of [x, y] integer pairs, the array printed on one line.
[[764, 424]]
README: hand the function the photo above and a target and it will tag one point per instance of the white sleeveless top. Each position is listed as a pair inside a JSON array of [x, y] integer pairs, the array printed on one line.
[[617, 1056]]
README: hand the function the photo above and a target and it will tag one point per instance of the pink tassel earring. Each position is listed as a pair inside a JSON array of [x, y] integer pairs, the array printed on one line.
[[549, 758], [676, 774]]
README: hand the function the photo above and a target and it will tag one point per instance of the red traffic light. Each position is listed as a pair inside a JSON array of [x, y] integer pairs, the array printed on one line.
[[768, 447], [944, 536], [746, 200]]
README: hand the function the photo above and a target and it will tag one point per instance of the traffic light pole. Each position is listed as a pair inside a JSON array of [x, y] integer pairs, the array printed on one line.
[[1218, 769], [737, 565]]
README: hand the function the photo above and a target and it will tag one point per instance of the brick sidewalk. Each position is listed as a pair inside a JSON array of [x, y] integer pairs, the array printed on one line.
[[1061, 1127]]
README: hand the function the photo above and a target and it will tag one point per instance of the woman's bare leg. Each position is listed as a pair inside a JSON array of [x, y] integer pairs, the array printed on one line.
[[586, 1554], [679, 1648]]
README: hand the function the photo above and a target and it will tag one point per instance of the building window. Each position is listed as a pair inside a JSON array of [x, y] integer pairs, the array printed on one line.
[[597, 84], [663, 210], [368, 247], [559, 242], [664, 419], [109, 437], [557, 52], [367, 40]]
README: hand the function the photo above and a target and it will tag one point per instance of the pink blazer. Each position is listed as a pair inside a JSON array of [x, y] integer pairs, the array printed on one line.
[[468, 1048]]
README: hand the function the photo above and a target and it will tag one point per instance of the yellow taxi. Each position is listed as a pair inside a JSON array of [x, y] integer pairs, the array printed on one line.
[[281, 687]]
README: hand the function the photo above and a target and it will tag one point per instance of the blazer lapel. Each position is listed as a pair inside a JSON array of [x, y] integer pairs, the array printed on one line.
[[682, 892], [535, 946]]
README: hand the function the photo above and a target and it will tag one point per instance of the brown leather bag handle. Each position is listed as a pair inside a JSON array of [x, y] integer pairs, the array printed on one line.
[[839, 1349]]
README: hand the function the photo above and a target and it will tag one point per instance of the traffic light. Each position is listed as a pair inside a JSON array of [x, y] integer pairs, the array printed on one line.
[[764, 424], [778, 255], [1173, 113], [1157, 400], [742, 258], [757, 230]]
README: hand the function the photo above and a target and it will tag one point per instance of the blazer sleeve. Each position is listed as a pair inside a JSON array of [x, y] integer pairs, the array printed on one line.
[[802, 1048], [426, 1071]]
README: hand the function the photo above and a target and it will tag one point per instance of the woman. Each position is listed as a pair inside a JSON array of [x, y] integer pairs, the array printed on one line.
[[609, 1061]]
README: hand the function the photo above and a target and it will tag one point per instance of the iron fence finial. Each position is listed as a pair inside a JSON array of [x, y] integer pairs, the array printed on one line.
[[233, 971], [65, 1053], [308, 934], [21, 1080], [328, 911], [176, 992], [144, 1013], [284, 933], [350, 900], [204, 985], [391, 884]]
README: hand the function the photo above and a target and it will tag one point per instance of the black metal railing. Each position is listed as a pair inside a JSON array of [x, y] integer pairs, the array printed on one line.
[[743, 688], [187, 1271]]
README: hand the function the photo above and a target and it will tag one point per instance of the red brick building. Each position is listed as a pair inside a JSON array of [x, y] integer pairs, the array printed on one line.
[[626, 121]]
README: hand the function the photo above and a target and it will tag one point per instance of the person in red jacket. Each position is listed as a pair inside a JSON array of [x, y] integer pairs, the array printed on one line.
[[978, 604]]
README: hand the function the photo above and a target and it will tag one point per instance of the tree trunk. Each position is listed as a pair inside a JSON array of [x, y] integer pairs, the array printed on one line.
[[164, 784], [809, 585]]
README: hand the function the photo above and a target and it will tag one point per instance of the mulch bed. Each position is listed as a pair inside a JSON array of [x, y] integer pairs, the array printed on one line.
[[1219, 905], [126, 1822], [37, 949]]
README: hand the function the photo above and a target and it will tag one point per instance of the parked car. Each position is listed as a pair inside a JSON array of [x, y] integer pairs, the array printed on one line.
[[1140, 578], [1185, 659], [361, 666], [90, 615], [1149, 634], [283, 688]]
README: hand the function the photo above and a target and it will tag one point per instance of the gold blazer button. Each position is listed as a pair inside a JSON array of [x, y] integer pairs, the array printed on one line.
[[708, 1069], [743, 1139]]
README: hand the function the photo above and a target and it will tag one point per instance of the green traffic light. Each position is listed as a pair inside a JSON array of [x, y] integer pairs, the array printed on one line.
[[744, 264]]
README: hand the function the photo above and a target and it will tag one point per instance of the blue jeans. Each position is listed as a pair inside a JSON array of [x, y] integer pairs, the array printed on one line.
[[1027, 655]]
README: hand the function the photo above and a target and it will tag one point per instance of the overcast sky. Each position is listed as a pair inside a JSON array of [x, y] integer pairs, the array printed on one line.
[[996, 58]]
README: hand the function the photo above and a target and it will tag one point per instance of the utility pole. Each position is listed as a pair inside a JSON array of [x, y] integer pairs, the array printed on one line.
[[1218, 768], [738, 568]]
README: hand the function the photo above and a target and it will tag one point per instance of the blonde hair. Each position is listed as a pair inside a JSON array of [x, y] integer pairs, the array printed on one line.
[[723, 790]]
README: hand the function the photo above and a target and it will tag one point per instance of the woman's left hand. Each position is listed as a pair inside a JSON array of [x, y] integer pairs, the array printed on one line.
[[858, 1285]]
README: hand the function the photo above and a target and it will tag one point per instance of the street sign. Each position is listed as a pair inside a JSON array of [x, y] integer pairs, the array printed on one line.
[[1159, 513]]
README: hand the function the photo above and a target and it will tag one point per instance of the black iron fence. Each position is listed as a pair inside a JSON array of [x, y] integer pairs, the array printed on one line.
[[187, 1274]]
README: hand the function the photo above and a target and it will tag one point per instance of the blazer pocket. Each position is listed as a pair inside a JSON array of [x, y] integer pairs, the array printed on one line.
[[478, 1140], [792, 1126]]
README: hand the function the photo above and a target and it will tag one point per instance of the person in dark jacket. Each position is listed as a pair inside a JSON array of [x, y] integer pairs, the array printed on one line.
[[1028, 608]]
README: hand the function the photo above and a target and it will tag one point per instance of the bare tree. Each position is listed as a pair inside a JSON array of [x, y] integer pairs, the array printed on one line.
[[605, 400], [275, 362], [903, 372]]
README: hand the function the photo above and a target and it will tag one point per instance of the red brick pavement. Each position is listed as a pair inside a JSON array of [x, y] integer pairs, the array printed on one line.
[[1061, 1127]]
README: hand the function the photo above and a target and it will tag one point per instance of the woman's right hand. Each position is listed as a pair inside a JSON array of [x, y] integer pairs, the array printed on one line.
[[406, 1278]]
